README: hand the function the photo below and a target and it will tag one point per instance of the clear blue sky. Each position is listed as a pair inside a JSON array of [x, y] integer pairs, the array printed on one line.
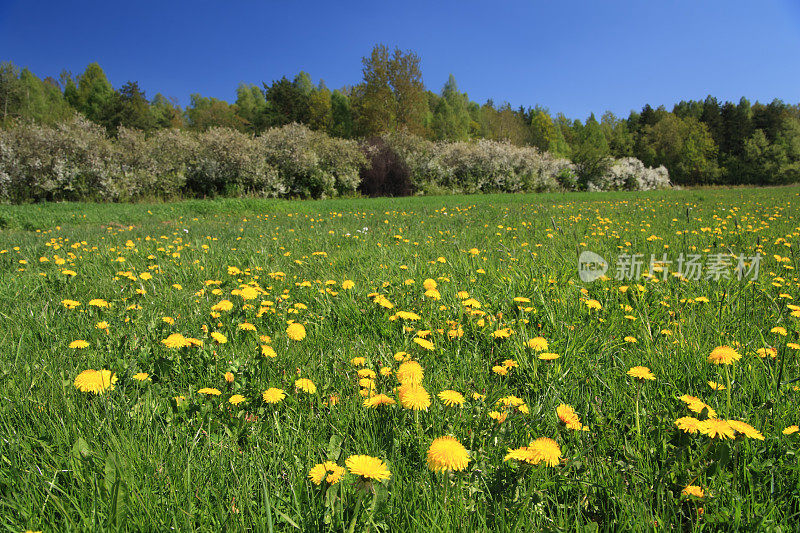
[[574, 57]]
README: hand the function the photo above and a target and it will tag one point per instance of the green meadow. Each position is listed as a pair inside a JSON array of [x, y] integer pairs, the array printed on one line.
[[468, 313]]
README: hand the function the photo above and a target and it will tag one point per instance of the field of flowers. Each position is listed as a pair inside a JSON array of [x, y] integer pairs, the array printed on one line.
[[416, 364]]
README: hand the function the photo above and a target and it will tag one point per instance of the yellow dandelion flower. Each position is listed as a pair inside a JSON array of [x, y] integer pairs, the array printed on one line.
[[414, 397], [176, 340], [296, 331], [268, 351], [716, 386], [451, 398], [790, 430], [141, 376], [210, 391], [369, 468], [547, 356], [447, 453], [716, 429], [79, 344], [219, 337], [693, 491], [746, 429], [273, 395], [306, 385], [95, 381], [378, 400], [410, 373], [688, 424], [236, 399], [723, 355], [327, 471], [425, 343], [538, 344], [641, 373]]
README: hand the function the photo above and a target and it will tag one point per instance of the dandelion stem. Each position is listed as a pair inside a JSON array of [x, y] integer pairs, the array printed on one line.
[[638, 393], [728, 389]]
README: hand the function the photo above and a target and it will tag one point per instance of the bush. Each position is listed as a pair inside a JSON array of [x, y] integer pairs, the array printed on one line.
[[229, 162], [386, 174], [70, 161], [312, 164], [630, 174]]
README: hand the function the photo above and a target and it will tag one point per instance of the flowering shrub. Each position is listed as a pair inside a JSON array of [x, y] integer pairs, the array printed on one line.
[[67, 162], [630, 174], [76, 160], [312, 164]]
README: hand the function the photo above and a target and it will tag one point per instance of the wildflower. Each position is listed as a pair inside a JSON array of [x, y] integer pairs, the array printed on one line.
[[778, 330], [688, 424], [746, 429], [378, 400], [79, 344], [593, 304], [229, 377], [273, 395], [210, 391], [296, 331], [630, 340], [425, 343], [497, 415], [414, 397], [176, 340], [768, 351], [446, 453], [568, 417], [97, 302], [219, 337], [224, 305], [723, 355], [247, 326], [693, 490], [429, 284], [348, 284], [268, 351], [510, 363], [95, 381], [236, 399], [141, 376], [500, 370], [542, 450], [327, 471], [358, 361], [451, 398], [641, 373], [410, 373], [538, 344], [306, 385], [70, 304], [503, 333], [366, 373], [716, 429], [716, 386], [478, 397], [547, 356], [790, 430], [368, 468]]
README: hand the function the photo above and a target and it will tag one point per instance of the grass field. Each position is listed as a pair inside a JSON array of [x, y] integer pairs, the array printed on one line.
[[408, 298]]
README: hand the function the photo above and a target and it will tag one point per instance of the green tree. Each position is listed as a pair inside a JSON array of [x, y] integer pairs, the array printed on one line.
[[451, 119], [319, 108], [205, 112], [620, 140], [591, 152], [129, 109], [93, 95], [11, 93], [341, 115], [685, 147], [251, 107], [287, 102], [373, 99], [166, 112]]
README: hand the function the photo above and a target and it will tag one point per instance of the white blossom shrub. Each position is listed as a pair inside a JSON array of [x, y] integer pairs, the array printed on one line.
[[228, 162], [629, 173], [312, 164], [70, 161]]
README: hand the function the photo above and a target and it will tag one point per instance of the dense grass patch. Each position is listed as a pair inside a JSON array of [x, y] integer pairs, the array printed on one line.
[[156, 453]]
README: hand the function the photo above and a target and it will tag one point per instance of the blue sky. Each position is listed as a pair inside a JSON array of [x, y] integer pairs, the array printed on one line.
[[574, 57]]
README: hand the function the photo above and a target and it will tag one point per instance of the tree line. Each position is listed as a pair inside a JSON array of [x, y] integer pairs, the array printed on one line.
[[699, 141]]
